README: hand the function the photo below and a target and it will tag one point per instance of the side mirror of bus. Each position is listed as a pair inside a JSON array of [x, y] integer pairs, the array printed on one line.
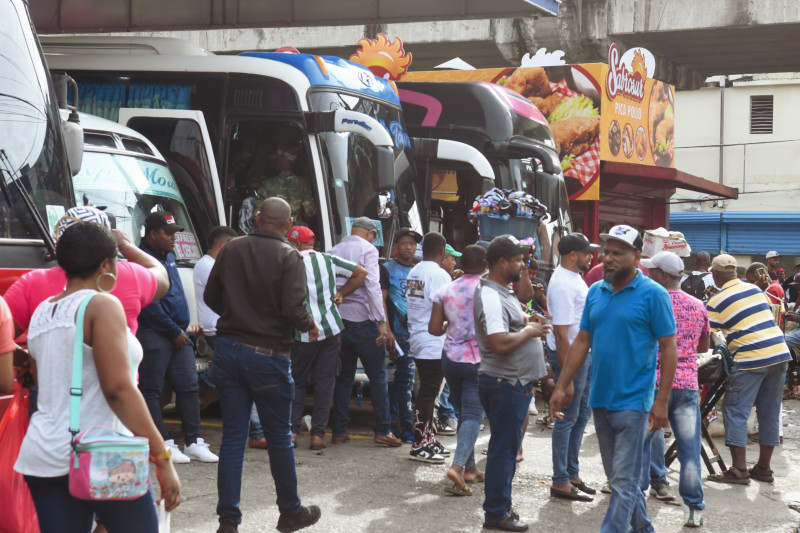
[[383, 171], [518, 149], [73, 141]]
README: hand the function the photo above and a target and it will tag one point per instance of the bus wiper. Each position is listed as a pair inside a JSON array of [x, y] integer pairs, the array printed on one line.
[[15, 178]]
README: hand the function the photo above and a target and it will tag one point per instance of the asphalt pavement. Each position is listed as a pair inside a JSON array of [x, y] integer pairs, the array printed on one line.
[[361, 486]]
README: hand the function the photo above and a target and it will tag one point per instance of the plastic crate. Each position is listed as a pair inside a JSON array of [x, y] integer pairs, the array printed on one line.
[[519, 227]]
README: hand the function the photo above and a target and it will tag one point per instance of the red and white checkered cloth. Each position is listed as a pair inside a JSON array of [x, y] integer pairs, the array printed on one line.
[[587, 165]]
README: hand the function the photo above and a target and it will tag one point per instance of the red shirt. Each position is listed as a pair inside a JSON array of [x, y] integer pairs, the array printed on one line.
[[775, 295], [135, 289]]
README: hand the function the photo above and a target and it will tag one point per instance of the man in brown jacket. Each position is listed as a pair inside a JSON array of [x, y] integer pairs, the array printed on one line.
[[258, 287]]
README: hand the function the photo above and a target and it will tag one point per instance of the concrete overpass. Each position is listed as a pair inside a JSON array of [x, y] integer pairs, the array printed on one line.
[[691, 39]]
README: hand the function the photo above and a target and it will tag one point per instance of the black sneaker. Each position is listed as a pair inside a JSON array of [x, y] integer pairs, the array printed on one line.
[[226, 526], [509, 523], [307, 516], [446, 427], [424, 454], [438, 448]]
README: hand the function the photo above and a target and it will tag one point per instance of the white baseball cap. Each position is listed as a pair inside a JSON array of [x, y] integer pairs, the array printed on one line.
[[772, 254], [625, 234], [669, 262]]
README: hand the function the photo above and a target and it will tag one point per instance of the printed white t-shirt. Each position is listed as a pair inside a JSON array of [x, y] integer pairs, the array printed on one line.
[[422, 283]]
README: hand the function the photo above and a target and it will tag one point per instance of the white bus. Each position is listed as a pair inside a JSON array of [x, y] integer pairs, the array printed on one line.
[[224, 120]]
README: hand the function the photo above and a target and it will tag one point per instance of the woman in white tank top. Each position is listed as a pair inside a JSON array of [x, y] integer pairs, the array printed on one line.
[[87, 252]]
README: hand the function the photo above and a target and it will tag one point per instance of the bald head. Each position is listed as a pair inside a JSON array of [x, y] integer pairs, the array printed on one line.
[[274, 214]]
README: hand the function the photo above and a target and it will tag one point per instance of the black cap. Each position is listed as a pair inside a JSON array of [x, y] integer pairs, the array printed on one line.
[[402, 232], [161, 220], [505, 245], [576, 242]]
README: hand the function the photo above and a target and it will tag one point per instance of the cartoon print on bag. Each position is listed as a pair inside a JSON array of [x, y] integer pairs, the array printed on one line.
[[121, 473]]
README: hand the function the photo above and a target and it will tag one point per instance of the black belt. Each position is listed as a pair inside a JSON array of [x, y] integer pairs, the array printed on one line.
[[263, 350]]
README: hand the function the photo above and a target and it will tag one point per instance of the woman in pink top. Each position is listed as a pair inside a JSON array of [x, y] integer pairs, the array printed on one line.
[[7, 347], [140, 280], [453, 303]]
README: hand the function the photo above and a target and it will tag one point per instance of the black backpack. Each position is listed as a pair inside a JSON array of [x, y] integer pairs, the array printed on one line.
[[695, 286]]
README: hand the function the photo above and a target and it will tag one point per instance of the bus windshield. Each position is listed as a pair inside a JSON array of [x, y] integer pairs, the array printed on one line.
[[29, 131], [349, 161], [130, 188]]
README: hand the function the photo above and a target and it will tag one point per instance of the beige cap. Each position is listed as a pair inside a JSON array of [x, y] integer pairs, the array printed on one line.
[[723, 262]]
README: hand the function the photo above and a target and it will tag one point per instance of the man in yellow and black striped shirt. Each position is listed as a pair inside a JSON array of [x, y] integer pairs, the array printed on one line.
[[743, 314]]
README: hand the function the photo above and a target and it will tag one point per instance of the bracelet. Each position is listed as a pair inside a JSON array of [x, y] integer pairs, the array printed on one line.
[[166, 454]]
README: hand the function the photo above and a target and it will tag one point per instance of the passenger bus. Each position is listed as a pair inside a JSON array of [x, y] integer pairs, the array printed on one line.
[[513, 135], [35, 178], [224, 121]]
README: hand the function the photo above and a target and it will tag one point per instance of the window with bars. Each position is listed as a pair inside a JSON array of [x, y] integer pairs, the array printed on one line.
[[761, 113]]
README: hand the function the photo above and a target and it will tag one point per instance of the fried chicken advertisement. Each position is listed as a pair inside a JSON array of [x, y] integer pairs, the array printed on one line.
[[574, 118], [661, 116]]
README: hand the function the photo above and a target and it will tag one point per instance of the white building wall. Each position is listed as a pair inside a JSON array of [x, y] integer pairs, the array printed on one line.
[[765, 167]]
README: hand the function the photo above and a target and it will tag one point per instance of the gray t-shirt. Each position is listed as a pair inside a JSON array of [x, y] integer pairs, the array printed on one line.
[[497, 311]]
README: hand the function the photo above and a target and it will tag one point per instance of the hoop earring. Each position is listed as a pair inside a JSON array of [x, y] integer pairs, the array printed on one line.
[[113, 282]]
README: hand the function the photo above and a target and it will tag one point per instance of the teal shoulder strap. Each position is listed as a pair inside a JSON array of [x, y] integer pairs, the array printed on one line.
[[76, 390]]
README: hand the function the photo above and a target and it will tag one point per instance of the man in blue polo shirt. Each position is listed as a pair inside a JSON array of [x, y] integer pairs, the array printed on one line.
[[626, 320]]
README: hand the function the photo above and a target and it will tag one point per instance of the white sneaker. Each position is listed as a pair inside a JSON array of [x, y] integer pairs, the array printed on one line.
[[200, 452], [177, 456], [532, 410], [691, 517]]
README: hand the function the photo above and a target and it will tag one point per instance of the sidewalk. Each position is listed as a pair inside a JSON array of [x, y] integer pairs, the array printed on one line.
[[364, 487]]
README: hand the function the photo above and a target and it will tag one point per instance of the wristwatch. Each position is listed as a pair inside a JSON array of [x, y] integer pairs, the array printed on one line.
[[166, 454]]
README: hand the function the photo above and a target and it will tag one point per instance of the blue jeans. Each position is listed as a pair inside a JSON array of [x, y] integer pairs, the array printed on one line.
[[60, 512], [447, 408], [621, 438], [684, 418], [243, 377], [402, 388], [255, 430], [506, 405], [358, 342], [162, 361], [762, 387], [463, 380], [568, 431]]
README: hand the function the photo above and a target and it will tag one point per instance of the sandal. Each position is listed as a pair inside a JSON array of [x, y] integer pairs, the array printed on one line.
[[733, 475], [761, 474], [458, 491], [479, 478]]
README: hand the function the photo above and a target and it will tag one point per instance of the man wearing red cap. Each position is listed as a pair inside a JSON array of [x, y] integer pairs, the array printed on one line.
[[319, 356]]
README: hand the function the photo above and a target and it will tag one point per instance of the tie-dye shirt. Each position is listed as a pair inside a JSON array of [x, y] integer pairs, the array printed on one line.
[[691, 319], [457, 299]]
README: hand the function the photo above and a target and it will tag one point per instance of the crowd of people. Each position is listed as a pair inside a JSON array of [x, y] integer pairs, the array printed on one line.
[[476, 330]]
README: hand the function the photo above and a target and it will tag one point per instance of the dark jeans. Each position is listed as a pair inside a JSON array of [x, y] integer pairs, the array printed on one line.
[[430, 379], [463, 380], [358, 342], [506, 405], [162, 361], [319, 359], [242, 377], [402, 387], [60, 512], [567, 435]]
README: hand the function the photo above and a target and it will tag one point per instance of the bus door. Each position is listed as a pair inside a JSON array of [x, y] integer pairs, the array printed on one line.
[[182, 138]]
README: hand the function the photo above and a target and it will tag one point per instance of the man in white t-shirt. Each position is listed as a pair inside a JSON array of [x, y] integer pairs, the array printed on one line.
[[422, 282], [217, 238], [566, 296]]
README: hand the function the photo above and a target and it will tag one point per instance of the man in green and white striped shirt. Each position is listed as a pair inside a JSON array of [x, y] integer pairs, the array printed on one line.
[[322, 355]]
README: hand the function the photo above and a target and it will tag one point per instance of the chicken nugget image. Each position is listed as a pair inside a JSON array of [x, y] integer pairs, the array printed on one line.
[[547, 105], [657, 112], [575, 135], [529, 81]]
